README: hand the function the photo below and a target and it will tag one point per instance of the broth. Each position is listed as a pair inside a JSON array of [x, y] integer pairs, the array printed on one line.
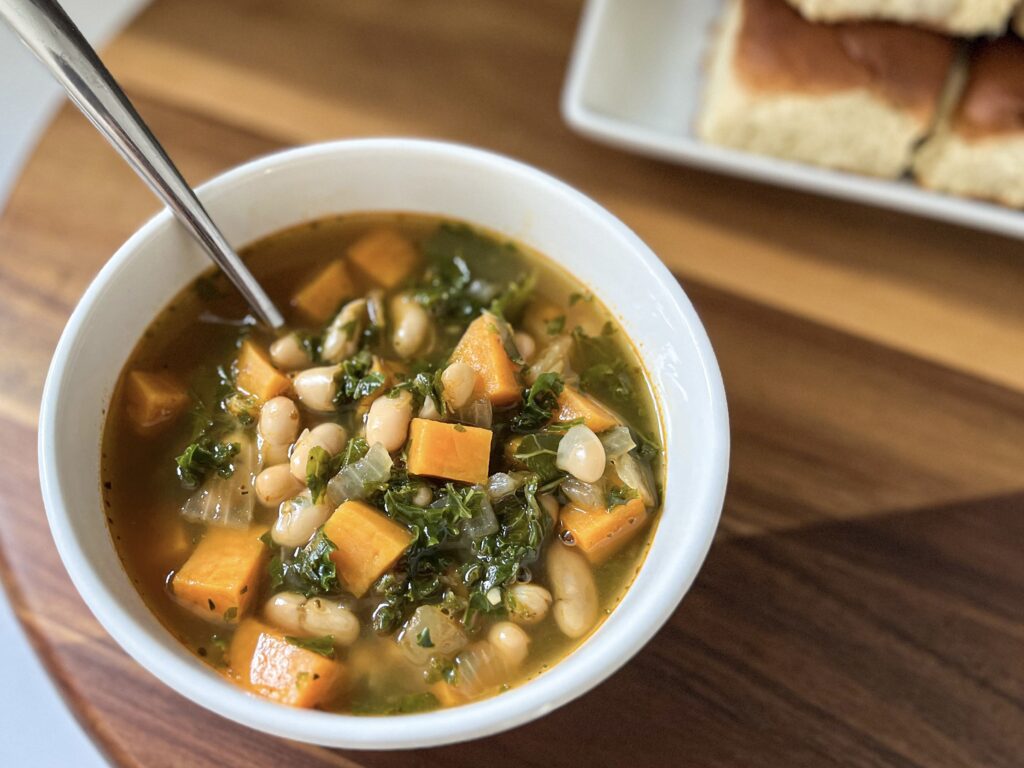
[[432, 595]]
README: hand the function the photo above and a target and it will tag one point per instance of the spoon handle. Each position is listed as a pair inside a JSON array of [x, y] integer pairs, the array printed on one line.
[[48, 32]]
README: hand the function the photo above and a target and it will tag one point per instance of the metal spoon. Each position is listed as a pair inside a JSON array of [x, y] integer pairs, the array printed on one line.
[[48, 32]]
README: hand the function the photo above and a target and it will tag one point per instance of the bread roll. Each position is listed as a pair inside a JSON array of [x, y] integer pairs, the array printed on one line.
[[853, 96], [956, 17], [977, 149]]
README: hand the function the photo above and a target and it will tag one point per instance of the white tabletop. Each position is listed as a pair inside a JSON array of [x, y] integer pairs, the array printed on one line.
[[38, 729]]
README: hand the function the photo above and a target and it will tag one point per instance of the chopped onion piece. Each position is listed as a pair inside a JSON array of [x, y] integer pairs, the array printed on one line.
[[479, 668], [477, 413], [228, 501], [585, 495], [375, 308], [502, 484], [483, 522], [617, 441], [554, 358], [360, 478], [430, 632], [637, 475]]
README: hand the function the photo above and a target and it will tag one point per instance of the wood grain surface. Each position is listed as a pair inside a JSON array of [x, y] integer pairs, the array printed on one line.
[[862, 604]]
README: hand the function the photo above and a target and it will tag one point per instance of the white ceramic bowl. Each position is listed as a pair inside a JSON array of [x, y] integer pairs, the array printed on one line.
[[274, 192]]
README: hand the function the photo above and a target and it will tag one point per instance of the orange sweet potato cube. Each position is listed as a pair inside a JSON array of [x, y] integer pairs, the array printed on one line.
[[482, 349], [153, 400], [368, 544], [449, 451], [599, 533], [256, 375], [573, 405], [384, 256], [222, 576], [262, 660], [319, 299]]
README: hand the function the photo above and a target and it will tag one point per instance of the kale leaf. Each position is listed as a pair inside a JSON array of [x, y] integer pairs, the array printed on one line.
[[537, 453], [313, 343], [618, 495], [309, 570], [498, 559], [555, 325], [320, 468], [202, 457], [424, 574], [438, 523], [444, 291], [420, 578], [540, 403], [424, 384], [355, 450], [356, 379], [451, 292]]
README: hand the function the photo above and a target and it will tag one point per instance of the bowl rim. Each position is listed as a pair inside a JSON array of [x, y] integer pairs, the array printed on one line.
[[517, 706]]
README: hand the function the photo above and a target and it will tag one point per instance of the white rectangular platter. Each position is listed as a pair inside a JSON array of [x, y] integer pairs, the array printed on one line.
[[636, 81]]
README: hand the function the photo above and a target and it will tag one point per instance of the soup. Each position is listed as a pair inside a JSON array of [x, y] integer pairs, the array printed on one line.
[[429, 488]]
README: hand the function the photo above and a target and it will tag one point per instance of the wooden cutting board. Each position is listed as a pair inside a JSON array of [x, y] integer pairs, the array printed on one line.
[[862, 605]]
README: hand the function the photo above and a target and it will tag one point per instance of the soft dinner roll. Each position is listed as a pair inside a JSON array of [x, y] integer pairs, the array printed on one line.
[[978, 147], [956, 17], [851, 96]]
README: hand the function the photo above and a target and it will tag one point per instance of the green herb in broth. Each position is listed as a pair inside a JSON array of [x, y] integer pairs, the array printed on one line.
[[356, 379], [538, 453], [619, 494], [308, 570], [202, 457], [473, 555], [320, 468], [540, 403]]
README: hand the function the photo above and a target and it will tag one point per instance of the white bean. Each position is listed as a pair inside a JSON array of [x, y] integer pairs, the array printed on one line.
[[458, 382], [525, 344], [325, 617], [274, 453], [275, 484], [284, 611], [575, 607], [581, 454], [292, 612], [279, 420], [342, 337], [316, 387], [550, 505], [412, 325], [288, 353], [388, 421], [511, 643], [528, 603], [298, 519], [330, 436]]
